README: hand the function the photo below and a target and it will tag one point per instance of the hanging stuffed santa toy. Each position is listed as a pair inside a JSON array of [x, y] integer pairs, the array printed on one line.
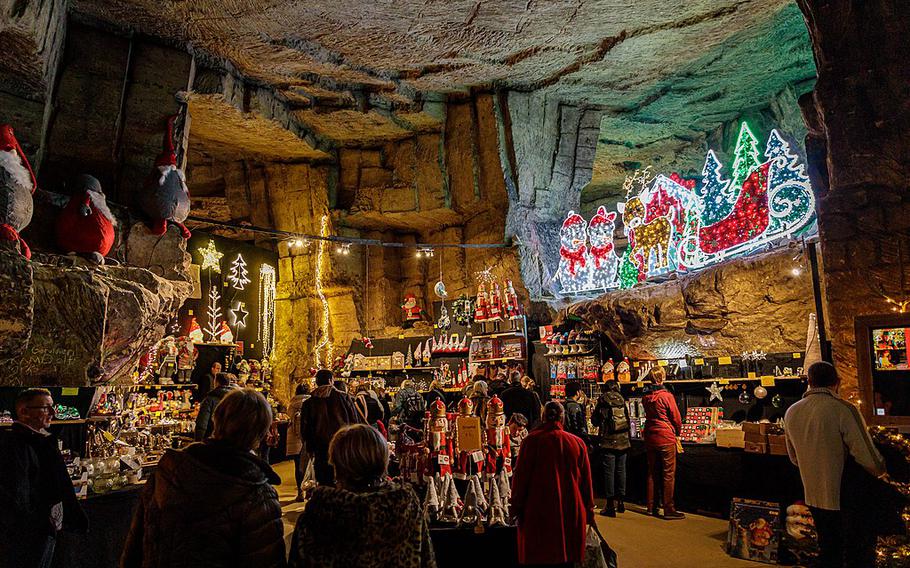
[[411, 311], [17, 185], [86, 225], [165, 197]]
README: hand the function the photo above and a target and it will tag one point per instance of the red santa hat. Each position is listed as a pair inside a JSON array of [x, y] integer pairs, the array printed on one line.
[[602, 217], [225, 334], [573, 219], [195, 332], [168, 157]]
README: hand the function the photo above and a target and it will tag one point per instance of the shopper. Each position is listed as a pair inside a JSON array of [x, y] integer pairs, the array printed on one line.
[[552, 496], [409, 405], [208, 380], [294, 447], [518, 400], [822, 431], [366, 521], [612, 420], [212, 504], [370, 407], [321, 415], [662, 427], [36, 496], [435, 392], [224, 383], [518, 431], [480, 397], [497, 385], [576, 418]]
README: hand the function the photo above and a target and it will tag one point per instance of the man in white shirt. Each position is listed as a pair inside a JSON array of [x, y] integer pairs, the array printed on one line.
[[822, 431]]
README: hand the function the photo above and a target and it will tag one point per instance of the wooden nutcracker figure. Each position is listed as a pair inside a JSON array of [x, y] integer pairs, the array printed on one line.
[[469, 461], [513, 308], [498, 449], [438, 441], [495, 302], [482, 309]]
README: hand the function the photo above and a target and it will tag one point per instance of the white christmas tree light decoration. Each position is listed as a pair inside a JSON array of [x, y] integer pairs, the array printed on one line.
[[213, 327], [266, 308], [239, 275], [211, 258]]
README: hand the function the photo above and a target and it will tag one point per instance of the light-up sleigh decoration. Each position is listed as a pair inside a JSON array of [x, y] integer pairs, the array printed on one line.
[[674, 225]]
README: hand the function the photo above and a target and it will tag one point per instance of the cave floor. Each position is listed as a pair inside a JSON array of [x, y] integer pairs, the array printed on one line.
[[640, 541]]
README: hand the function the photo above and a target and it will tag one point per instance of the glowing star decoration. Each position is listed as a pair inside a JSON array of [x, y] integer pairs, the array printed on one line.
[[238, 276], [239, 315], [213, 326], [211, 258], [324, 341], [715, 392], [266, 308]]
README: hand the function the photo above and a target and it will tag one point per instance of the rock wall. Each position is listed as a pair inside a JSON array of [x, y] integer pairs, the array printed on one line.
[[742, 305]]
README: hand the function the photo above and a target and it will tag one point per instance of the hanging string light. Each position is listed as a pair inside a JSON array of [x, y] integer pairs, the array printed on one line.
[[425, 252], [266, 308], [324, 341]]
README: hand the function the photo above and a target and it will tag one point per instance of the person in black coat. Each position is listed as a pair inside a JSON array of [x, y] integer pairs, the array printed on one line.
[[576, 421], [518, 399], [224, 383], [611, 416], [36, 495]]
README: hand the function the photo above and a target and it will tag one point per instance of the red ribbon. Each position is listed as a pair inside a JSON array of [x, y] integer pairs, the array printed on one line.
[[574, 257], [600, 253]]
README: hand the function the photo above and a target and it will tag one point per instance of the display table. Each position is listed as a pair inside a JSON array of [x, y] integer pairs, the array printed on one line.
[[457, 547], [708, 477], [109, 517]]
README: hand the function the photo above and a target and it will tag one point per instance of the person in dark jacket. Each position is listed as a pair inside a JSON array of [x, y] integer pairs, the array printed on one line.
[[321, 415], [212, 504], [366, 521], [612, 420], [518, 400], [662, 427], [224, 383], [435, 391], [36, 496], [207, 383], [576, 419]]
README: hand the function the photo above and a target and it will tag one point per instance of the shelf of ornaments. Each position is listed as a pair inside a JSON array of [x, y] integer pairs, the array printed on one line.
[[499, 359], [591, 351], [395, 370], [718, 380]]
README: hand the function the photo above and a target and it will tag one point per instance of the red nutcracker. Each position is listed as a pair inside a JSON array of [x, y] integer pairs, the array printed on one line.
[[495, 302], [498, 448], [438, 441], [482, 309], [468, 462], [513, 309]]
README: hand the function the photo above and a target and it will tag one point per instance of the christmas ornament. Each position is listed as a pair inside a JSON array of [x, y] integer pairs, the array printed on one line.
[[777, 401], [409, 358], [412, 313], [17, 185], [745, 397], [602, 256], [463, 310], [418, 354], [440, 290], [760, 392], [213, 327], [86, 225], [225, 335], [715, 392], [238, 314], [444, 322], [211, 257], [266, 331], [165, 197], [367, 342], [238, 276]]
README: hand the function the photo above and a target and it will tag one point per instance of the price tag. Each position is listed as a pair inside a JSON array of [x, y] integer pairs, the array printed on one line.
[[635, 363], [477, 456], [663, 363], [443, 459], [189, 312], [724, 361], [699, 362], [130, 463], [723, 382], [435, 326], [752, 374], [400, 336], [69, 391], [767, 381], [507, 462], [797, 355], [640, 384]]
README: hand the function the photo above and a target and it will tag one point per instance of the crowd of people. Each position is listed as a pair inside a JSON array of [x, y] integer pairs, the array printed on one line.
[[214, 502]]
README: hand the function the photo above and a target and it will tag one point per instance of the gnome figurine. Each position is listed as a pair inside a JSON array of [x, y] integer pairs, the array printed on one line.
[[17, 185], [166, 197], [86, 225]]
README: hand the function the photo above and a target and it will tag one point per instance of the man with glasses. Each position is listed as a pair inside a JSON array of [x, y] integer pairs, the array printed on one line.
[[36, 494]]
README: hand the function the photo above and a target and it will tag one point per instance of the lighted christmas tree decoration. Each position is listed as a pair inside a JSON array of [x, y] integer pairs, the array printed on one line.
[[266, 308], [238, 276], [745, 156], [211, 258], [324, 341], [213, 326]]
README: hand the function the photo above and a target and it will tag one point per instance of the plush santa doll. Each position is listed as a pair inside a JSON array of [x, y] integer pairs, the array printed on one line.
[[17, 185], [411, 311], [86, 225], [186, 358], [165, 197]]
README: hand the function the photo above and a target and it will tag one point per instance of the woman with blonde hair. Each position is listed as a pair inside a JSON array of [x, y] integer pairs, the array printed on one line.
[[366, 520], [663, 424], [212, 504]]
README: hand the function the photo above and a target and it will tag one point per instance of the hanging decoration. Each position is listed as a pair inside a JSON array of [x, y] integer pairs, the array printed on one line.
[[238, 276], [715, 391], [463, 310], [674, 225], [444, 322], [211, 257], [238, 315], [213, 327], [266, 309], [324, 341]]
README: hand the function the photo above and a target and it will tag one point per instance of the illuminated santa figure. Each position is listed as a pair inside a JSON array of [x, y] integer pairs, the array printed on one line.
[[573, 254], [438, 441], [498, 450], [602, 259]]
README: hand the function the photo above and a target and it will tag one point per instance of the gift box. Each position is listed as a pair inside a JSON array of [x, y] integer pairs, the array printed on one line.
[[730, 437], [756, 447], [757, 427], [754, 530]]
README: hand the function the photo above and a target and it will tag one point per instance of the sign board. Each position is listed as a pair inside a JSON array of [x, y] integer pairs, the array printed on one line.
[[469, 438]]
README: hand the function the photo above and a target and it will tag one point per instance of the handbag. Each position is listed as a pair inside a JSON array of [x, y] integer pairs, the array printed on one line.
[[598, 553]]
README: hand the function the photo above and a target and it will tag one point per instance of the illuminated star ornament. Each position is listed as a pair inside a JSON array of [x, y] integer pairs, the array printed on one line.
[[240, 314], [211, 258], [714, 389]]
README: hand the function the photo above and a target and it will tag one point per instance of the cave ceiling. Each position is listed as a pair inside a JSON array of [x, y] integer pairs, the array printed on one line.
[[669, 77]]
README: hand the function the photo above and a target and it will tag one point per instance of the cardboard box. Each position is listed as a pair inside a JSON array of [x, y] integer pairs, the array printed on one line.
[[777, 449], [756, 438], [756, 427], [756, 447], [754, 530], [778, 439], [730, 438]]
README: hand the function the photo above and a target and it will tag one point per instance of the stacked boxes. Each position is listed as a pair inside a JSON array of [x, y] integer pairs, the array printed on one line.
[[777, 444], [759, 437], [730, 437], [701, 423]]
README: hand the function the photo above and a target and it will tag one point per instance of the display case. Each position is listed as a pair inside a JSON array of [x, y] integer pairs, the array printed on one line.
[[883, 371]]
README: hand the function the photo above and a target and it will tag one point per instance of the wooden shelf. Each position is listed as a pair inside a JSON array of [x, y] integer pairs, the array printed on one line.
[[578, 354], [717, 380], [510, 333], [498, 360], [396, 370]]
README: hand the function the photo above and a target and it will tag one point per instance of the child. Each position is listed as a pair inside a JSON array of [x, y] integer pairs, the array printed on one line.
[[518, 431]]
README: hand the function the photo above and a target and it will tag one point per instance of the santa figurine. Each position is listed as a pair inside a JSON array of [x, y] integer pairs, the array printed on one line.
[[481, 309], [411, 311], [17, 185], [86, 224], [165, 198], [624, 371], [186, 358], [608, 371], [195, 332], [225, 335], [498, 450], [513, 308], [438, 441]]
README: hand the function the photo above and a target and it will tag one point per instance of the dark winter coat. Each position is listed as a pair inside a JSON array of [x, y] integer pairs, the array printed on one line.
[[552, 496], [33, 479], [211, 505], [385, 528], [518, 399], [576, 421], [204, 424], [612, 404], [662, 420], [323, 414]]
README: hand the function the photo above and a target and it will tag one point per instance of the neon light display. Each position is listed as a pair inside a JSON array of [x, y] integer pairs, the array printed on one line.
[[676, 225]]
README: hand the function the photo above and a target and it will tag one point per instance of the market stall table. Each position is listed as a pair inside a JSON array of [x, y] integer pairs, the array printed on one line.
[[496, 546], [109, 517]]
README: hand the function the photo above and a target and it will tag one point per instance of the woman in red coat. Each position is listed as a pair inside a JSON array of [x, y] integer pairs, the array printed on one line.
[[552, 496], [662, 425]]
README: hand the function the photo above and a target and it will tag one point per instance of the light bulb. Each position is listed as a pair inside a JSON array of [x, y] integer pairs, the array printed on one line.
[[796, 271]]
